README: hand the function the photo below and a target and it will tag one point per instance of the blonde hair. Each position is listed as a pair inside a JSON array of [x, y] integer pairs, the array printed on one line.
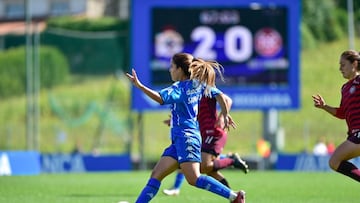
[[199, 69], [205, 72]]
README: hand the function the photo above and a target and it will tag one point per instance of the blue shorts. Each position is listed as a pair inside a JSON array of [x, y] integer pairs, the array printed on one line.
[[185, 145]]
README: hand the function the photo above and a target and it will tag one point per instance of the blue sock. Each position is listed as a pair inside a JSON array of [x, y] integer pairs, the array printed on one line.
[[149, 191], [212, 185], [179, 180]]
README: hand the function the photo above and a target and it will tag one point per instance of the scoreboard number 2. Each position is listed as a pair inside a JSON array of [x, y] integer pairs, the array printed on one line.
[[237, 43]]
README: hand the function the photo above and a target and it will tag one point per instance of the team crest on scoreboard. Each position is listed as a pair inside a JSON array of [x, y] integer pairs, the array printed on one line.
[[268, 42]]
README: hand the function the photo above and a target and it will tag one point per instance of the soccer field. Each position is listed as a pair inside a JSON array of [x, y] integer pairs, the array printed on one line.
[[260, 186]]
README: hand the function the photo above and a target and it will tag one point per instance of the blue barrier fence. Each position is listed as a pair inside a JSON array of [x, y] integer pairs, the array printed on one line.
[[305, 162], [33, 163], [19, 163], [60, 163]]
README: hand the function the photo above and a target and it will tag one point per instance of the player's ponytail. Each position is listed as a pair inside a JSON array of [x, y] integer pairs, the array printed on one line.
[[199, 69], [205, 72]]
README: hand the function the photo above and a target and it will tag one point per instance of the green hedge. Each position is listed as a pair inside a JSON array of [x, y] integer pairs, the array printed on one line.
[[92, 46], [87, 55], [84, 24], [307, 39], [54, 70]]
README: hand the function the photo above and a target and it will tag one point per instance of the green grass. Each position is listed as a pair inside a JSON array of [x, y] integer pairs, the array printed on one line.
[[260, 186]]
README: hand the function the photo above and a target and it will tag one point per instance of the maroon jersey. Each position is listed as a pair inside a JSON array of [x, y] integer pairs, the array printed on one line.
[[350, 104], [207, 118]]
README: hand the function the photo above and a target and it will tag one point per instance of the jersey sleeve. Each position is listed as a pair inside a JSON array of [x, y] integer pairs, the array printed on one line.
[[171, 94], [214, 92], [340, 113]]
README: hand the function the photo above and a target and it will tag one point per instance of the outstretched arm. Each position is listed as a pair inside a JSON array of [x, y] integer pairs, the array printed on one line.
[[228, 101], [224, 118], [149, 92], [320, 103]]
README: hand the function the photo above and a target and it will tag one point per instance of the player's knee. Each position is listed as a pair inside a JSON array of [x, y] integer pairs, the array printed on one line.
[[205, 169], [334, 164]]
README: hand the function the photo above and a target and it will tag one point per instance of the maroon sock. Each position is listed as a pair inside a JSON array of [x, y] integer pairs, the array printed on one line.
[[349, 169], [222, 163]]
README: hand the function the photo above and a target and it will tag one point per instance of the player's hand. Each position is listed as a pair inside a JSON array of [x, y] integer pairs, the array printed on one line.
[[225, 121], [134, 79], [319, 102], [230, 122]]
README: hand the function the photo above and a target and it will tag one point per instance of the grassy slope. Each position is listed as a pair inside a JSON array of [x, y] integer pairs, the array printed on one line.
[[319, 73], [261, 187], [73, 97]]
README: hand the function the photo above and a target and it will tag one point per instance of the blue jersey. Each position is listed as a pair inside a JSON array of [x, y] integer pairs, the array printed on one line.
[[184, 98]]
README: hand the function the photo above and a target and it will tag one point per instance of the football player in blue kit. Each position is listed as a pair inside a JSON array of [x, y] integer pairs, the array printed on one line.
[[193, 78]]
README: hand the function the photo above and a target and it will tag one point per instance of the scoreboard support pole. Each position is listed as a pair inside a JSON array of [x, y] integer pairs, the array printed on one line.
[[140, 124], [270, 133]]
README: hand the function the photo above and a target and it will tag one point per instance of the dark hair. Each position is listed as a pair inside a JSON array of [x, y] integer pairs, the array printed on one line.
[[183, 61], [352, 55]]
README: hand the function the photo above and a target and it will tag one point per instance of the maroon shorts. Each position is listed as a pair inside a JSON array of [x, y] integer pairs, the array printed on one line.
[[354, 137], [213, 144]]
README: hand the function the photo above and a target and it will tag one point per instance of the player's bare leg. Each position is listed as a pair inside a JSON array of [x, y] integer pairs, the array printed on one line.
[[339, 159]]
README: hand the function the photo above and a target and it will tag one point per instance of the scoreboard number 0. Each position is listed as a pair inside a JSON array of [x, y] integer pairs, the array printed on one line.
[[237, 44]]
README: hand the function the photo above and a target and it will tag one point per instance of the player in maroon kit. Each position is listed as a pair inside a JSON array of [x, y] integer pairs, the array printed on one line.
[[214, 138], [349, 110]]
